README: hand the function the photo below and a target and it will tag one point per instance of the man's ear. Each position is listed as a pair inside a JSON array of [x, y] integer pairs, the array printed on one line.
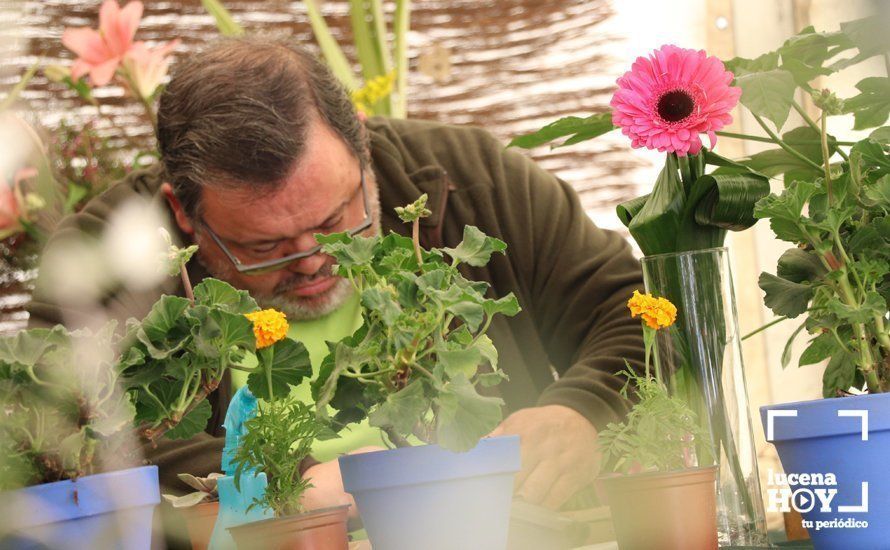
[[178, 212]]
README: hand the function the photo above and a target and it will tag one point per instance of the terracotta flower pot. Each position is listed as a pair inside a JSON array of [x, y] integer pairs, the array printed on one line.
[[199, 520], [664, 511], [323, 529]]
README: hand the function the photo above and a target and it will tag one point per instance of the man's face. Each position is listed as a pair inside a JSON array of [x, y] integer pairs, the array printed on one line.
[[321, 195]]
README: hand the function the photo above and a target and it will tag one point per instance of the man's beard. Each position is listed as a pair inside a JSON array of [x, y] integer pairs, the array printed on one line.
[[300, 308]]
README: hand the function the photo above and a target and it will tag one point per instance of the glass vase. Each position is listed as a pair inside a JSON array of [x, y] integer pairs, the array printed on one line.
[[701, 357]]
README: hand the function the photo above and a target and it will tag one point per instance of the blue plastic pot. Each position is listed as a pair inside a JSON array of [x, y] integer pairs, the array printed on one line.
[[433, 499], [110, 510], [819, 440]]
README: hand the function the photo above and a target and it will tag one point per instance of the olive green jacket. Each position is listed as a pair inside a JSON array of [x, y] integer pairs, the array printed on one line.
[[572, 278]]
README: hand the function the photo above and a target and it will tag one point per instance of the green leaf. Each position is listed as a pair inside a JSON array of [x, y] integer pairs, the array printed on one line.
[[813, 48], [878, 195], [786, 352], [819, 349], [839, 375], [281, 365], [508, 305], [384, 302], [489, 352], [868, 34], [402, 409], [881, 135], [874, 305], [28, 346], [491, 379], [799, 266], [348, 251], [224, 22], [579, 128], [162, 331], [465, 416], [470, 312], [872, 106], [332, 52], [657, 222], [235, 330], [768, 94], [192, 423], [460, 361], [476, 248], [215, 293], [784, 211], [766, 62], [784, 297]]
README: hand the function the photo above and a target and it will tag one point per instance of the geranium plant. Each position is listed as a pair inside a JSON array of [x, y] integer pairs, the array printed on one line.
[[835, 208], [71, 396], [414, 366]]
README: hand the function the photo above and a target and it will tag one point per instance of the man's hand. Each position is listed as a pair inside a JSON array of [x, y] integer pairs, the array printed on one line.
[[559, 453], [327, 485]]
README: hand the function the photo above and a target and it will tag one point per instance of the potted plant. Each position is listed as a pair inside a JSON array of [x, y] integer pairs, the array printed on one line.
[[274, 443], [653, 457], [665, 102], [63, 442], [199, 507], [413, 369], [77, 404], [834, 210]]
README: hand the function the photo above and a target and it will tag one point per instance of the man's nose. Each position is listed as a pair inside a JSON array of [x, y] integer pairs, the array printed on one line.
[[310, 265]]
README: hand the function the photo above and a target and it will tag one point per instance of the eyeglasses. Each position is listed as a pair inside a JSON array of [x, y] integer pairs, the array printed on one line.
[[280, 263]]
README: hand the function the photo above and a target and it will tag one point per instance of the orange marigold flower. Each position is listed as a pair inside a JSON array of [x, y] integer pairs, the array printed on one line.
[[656, 312], [269, 326]]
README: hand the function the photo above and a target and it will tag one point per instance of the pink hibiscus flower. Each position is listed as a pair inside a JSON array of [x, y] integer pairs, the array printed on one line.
[[666, 100], [99, 53]]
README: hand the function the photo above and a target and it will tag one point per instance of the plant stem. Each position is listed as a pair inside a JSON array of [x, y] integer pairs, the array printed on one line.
[[764, 327], [812, 124], [395, 438], [415, 236], [187, 284], [788, 149], [826, 158], [762, 139]]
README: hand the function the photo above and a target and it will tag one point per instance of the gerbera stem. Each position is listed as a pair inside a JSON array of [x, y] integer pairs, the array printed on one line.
[[788, 149]]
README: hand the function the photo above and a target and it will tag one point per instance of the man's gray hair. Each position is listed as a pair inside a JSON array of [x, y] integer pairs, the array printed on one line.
[[238, 113]]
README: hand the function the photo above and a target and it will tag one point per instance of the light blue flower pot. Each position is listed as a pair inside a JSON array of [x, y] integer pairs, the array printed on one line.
[[434, 499], [112, 510], [826, 436]]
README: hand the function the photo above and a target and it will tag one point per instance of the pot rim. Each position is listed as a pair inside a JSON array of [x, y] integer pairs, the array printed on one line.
[[819, 418], [425, 464], [685, 472], [330, 510], [96, 494]]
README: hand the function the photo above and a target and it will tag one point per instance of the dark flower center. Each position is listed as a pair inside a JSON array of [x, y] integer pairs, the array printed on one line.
[[675, 105]]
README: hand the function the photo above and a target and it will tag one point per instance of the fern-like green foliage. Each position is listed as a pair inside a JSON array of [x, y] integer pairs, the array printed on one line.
[[275, 442], [660, 432]]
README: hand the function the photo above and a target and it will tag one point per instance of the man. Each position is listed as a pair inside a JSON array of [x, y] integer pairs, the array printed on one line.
[[261, 149]]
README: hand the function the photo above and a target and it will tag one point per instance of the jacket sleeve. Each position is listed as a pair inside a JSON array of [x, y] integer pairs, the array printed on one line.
[[576, 280]]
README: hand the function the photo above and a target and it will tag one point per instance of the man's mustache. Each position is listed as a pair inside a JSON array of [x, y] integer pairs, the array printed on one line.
[[299, 279]]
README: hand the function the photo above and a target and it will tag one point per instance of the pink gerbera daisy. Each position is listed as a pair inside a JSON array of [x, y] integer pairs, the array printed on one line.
[[666, 100]]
